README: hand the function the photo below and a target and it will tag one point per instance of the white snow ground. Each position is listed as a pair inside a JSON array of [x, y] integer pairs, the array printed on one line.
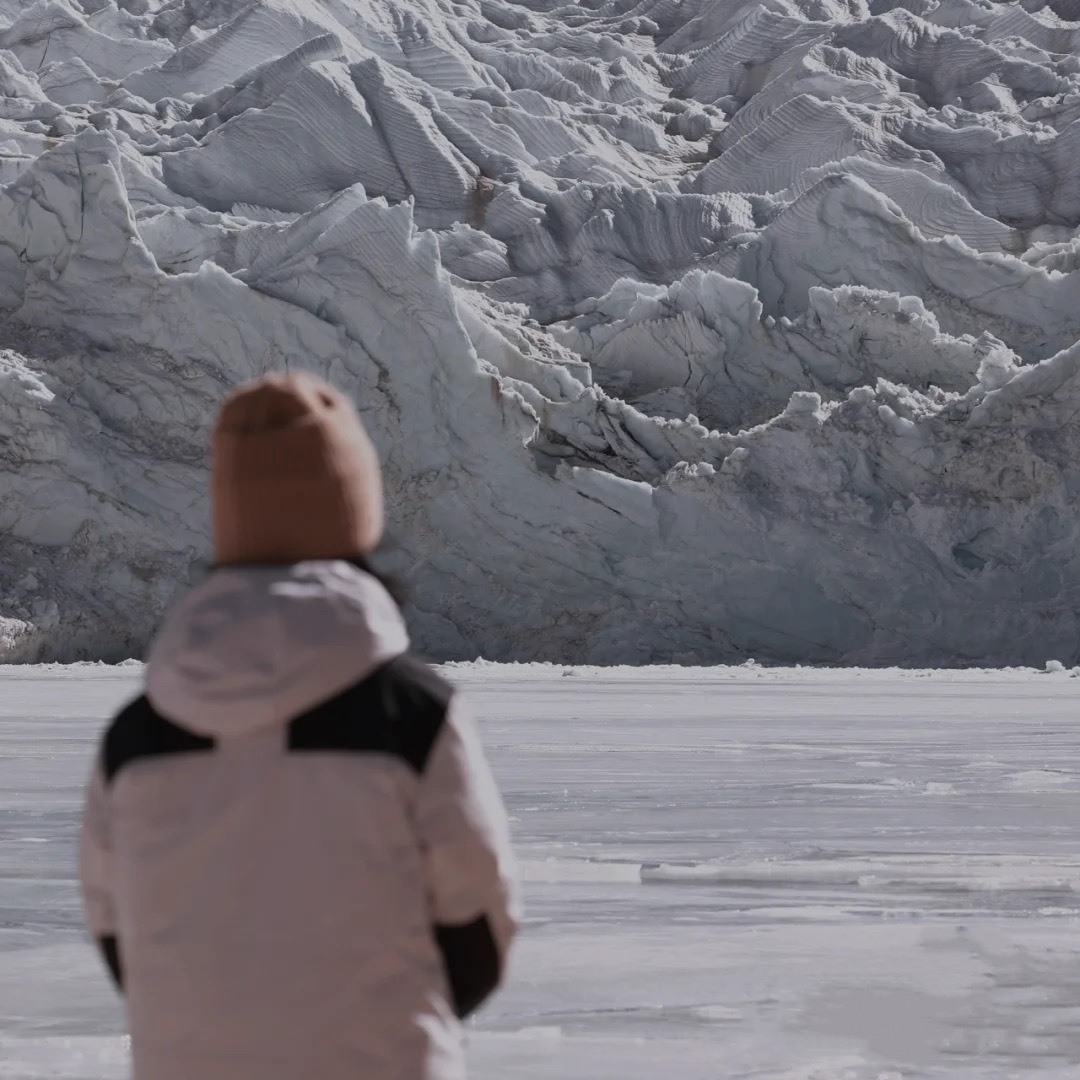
[[848, 876], [689, 330]]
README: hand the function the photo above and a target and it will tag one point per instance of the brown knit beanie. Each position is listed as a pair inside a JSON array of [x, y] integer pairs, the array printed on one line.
[[295, 475]]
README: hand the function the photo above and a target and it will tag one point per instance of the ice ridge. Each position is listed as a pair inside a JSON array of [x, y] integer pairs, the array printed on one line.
[[688, 331]]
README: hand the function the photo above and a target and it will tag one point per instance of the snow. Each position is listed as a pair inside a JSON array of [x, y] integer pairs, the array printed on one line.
[[777, 874], [688, 332]]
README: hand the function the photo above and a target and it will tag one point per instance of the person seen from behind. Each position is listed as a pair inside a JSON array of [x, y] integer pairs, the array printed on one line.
[[293, 856]]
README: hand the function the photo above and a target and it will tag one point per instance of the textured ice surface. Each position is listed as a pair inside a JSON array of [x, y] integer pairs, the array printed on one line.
[[687, 331], [730, 874]]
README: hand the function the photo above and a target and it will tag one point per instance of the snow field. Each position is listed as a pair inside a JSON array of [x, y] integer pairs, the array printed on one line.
[[867, 875]]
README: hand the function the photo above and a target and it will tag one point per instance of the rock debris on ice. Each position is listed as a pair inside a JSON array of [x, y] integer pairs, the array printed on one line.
[[687, 331]]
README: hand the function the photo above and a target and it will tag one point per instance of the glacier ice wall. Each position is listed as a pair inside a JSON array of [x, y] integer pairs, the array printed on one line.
[[688, 330]]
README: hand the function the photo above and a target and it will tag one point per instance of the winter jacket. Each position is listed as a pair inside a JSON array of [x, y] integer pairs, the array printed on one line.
[[293, 855]]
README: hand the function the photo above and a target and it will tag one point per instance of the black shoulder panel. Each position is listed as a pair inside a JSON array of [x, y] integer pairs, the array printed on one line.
[[140, 732], [398, 710]]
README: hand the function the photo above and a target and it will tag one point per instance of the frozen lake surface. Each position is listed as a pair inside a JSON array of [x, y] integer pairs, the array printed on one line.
[[808, 875]]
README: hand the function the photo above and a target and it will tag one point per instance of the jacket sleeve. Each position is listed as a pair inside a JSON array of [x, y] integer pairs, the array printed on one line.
[[96, 874], [469, 864]]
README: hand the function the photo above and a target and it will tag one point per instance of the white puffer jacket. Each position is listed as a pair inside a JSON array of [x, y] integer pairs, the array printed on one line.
[[294, 855]]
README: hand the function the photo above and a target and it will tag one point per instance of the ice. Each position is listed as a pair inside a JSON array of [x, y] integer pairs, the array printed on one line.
[[687, 331], [777, 874]]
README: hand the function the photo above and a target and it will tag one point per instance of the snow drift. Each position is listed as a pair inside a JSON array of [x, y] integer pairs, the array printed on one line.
[[688, 331]]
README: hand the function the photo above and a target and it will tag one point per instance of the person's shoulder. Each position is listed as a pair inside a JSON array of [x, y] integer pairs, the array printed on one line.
[[138, 732], [415, 682], [398, 709]]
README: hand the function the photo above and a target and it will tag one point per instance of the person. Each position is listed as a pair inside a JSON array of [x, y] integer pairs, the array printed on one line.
[[294, 856]]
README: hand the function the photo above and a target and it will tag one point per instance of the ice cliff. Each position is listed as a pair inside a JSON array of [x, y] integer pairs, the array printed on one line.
[[688, 330]]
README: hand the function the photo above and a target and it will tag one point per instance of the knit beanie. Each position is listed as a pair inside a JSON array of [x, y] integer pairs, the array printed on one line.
[[295, 476]]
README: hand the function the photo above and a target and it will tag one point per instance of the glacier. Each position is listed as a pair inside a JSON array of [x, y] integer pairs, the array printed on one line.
[[689, 331]]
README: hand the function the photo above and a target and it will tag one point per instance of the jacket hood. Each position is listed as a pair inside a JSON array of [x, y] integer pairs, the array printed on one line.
[[253, 647]]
